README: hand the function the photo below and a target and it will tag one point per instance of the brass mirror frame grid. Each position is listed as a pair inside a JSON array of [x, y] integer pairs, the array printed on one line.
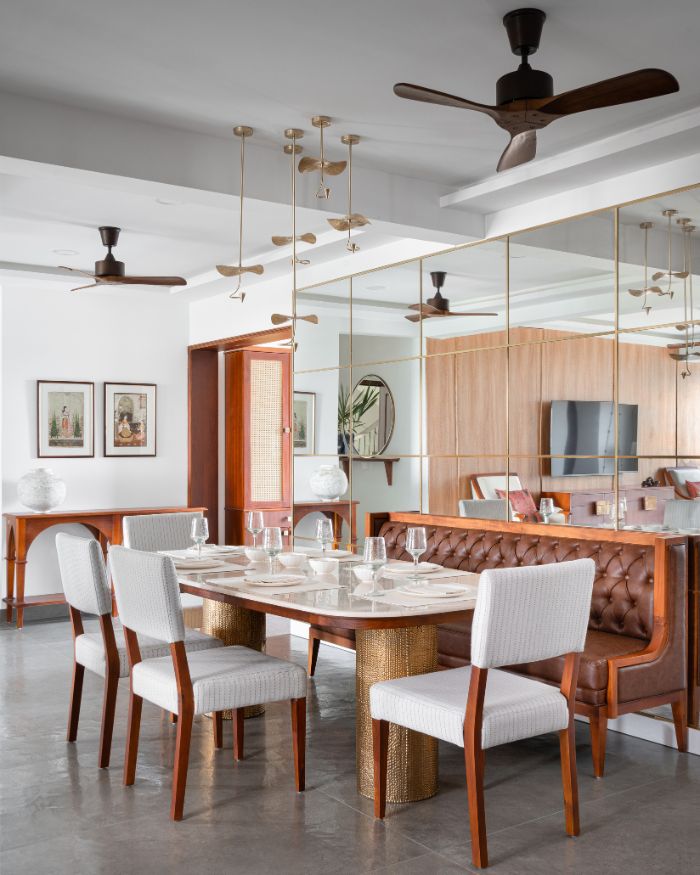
[[236, 626], [382, 655]]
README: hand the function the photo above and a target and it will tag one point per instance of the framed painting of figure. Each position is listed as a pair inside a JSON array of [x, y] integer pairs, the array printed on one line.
[[65, 419], [130, 419], [304, 423]]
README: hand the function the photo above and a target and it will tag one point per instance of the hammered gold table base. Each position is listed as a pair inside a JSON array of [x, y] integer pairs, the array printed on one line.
[[385, 654], [235, 625]]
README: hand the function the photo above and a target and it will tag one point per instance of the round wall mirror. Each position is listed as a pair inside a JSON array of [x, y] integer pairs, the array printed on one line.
[[374, 416]]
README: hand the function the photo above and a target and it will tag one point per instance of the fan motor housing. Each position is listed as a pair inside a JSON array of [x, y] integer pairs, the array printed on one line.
[[109, 266], [524, 84]]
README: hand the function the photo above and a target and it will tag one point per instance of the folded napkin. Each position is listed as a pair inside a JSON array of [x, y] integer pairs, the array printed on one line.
[[435, 574], [249, 586], [394, 597]]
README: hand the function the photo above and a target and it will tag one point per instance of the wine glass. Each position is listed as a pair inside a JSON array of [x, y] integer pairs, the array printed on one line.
[[546, 509], [375, 557], [254, 523], [324, 533], [619, 518], [200, 533], [272, 543], [416, 545]]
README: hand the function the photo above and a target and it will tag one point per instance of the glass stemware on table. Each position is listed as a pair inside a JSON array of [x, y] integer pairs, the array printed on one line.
[[546, 509], [416, 545], [324, 533], [254, 524], [375, 557], [272, 544], [200, 533]]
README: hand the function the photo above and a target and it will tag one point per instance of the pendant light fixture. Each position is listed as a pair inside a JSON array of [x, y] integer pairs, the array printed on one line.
[[326, 168], [242, 132], [670, 273], [350, 220], [688, 325], [646, 288]]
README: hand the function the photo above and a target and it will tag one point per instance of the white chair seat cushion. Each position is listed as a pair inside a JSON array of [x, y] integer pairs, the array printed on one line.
[[229, 677], [514, 707], [90, 652]]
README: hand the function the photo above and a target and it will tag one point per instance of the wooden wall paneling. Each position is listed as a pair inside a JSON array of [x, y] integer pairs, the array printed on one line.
[[443, 485], [688, 390], [648, 378], [440, 399], [480, 401], [203, 436]]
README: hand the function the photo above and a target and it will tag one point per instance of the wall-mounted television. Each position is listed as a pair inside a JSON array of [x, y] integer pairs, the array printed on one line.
[[586, 428]]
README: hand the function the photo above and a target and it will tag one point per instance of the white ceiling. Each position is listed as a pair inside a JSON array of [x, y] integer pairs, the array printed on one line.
[[203, 66]]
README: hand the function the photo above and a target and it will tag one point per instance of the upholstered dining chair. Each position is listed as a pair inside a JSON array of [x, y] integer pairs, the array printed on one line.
[[679, 513], [188, 684], [166, 531], [522, 615], [485, 509], [87, 590]]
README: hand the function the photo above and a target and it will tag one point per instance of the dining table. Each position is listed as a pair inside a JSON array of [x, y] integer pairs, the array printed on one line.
[[396, 636]]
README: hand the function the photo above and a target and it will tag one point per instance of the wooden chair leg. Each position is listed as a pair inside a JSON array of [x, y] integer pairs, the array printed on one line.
[[109, 705], [238, 733], [680, 721], [182, 759], [314, 644], [75, 699], [132, 739], [380, 747], [599, 730], [299, 742], [474, 762], [569, 779], [219, 729]]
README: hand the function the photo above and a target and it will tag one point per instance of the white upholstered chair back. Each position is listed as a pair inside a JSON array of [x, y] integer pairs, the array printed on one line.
[[148, 594], [680, 513], [531, 613], [83, 574], [485, 509], [159, 531]]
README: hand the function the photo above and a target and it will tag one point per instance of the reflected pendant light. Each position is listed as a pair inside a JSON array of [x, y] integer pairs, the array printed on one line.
[[242, 132], [326, 168], [350, 220], [293, 149], [646, 288], [670, 273], [688, 325]]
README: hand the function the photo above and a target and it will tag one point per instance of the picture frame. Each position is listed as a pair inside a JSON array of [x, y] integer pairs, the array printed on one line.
[[65, 419], [304, 423], [130, 419]]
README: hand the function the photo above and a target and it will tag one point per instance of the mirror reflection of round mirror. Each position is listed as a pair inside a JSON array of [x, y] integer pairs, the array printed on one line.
[[374, 416]]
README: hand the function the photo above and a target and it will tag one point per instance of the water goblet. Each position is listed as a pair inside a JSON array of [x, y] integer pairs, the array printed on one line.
[[416, 545], [324, 533], [254, 524], [375, 557], [199, 533], [272, 543], [546, 509]]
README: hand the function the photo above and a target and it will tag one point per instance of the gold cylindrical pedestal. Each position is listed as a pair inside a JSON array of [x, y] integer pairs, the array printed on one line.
[[382, 655], [235, 625]]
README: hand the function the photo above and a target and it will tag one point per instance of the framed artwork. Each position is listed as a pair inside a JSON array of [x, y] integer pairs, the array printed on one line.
[[130, 419], [304, 431], [65, 419]]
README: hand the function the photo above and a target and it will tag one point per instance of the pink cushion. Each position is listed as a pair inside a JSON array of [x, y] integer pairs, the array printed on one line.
[[521, 500], [693, 487]]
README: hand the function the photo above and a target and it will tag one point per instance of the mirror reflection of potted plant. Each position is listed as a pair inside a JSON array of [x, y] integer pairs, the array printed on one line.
[[352, 407]]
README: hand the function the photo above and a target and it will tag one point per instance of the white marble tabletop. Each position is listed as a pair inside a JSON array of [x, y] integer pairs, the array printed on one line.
[[343, 597]]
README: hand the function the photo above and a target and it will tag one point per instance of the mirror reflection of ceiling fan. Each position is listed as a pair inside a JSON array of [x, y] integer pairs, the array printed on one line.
[[437, 305], [525, 99], [109, 271]]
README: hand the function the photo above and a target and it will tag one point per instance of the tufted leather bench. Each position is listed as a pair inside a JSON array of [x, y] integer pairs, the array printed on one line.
[[635, 654]]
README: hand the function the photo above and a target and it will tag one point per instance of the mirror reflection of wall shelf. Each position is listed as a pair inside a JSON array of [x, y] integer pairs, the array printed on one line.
[[388, 465]]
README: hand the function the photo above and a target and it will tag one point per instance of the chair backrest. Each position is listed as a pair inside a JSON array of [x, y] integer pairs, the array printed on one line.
[[677, 476], [526, 614], [485, 509], [148, 594], [681, 513], [159, 531], [83, 574], [485, 485]]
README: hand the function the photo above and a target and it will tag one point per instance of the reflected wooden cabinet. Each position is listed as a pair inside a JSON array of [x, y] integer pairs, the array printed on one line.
[[645, 506], [258, 440]]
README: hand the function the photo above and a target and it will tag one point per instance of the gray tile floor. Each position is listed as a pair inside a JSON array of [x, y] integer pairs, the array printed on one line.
[[60, 814]]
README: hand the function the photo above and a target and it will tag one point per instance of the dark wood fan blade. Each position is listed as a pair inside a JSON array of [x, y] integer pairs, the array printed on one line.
[[521, 149], [76, 270], [639, 85], [415, 317], [144, 280], [80, 288], [429, 95], [450, 313]]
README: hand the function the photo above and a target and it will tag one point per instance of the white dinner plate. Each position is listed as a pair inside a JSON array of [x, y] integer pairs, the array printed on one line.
[[329, 554], [275, 579], [436, 590], [421, 568], [199, 564]]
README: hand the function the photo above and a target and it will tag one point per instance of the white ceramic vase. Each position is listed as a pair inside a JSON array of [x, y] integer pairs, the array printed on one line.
[[328, 482], [41, 490]]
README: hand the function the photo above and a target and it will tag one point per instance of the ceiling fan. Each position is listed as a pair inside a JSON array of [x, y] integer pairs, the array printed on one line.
[[437, 305], [109, 271], [525, 99]]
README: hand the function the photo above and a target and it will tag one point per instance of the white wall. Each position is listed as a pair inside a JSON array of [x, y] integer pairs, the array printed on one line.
[[50, 334]]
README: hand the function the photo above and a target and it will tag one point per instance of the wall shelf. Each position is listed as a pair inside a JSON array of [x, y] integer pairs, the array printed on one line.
[[388, 465]]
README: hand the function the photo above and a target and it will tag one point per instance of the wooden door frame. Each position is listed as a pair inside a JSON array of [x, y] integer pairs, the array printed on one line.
[[203, 406]]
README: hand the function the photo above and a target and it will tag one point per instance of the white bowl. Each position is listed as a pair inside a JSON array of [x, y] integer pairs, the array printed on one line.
[[363, 573], [255, 555], [292, 560], [323, 566]]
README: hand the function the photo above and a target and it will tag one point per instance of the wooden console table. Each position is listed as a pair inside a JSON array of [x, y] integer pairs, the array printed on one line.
[[22, 528], [336, 511]]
